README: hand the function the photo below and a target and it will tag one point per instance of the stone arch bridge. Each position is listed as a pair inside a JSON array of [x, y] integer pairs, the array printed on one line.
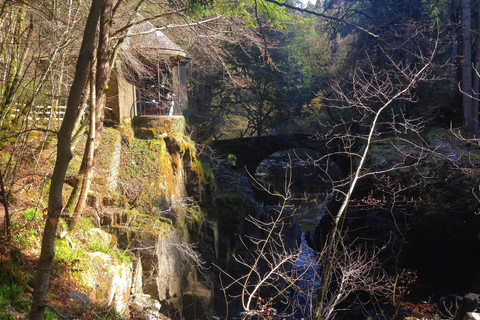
[[251, 151]]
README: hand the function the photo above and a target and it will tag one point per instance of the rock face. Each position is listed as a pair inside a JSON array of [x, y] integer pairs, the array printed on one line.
[[424, 212], [472, 316], [238, 208], [109, 279], [168, 274], [159, 180]]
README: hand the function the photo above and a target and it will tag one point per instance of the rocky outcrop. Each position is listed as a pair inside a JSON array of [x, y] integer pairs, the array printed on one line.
[[173, 180], [108, 279], [420, 203], [239, 211], [150, 214]]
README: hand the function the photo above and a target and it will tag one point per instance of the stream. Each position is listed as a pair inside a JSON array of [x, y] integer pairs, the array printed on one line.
[[308, 187]]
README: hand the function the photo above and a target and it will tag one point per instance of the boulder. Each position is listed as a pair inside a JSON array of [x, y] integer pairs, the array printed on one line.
[[145, 307], [111, 282], [472, 316], [101, 237], [198, 302]]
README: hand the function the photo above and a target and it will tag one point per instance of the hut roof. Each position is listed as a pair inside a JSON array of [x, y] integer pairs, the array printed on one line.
[[147, 41]]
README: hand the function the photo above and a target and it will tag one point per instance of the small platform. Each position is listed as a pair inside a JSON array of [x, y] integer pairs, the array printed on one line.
[[157, 127]]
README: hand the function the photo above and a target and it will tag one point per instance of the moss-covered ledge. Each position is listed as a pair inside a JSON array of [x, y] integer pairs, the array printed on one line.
[[157, 127]]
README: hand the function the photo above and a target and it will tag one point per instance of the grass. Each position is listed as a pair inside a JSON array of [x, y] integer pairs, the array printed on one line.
[[73, 267], [12, 299], [26, 230]]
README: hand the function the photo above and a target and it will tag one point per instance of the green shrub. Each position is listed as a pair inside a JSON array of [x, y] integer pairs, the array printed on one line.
[[31, 214]]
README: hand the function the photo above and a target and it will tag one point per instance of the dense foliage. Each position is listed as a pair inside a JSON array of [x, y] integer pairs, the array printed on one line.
[[290, 76]]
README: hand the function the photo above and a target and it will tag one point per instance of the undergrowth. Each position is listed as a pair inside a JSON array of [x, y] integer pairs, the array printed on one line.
[[75, 261]]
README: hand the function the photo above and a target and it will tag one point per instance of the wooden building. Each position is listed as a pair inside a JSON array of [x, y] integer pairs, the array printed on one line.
[[148, 78]]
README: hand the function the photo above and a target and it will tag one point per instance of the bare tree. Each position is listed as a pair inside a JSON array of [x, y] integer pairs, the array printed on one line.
[[371, 94], [276, 272], [64, 155]]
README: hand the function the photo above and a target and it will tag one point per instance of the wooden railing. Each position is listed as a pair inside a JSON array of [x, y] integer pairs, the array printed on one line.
[[43, 113]]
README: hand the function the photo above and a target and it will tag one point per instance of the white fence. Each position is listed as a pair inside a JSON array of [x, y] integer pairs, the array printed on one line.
[[43, 113]]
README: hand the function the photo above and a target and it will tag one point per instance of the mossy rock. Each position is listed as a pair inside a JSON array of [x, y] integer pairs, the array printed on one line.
[[126, 131], [156, 127]]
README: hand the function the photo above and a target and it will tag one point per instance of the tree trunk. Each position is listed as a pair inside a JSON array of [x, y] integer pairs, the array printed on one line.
[[453, 70], [86, 170], [77, 132], [87, 163], [16, 67], [467, 65], [99, 83], [4, 202], [476, 82], [64, 155]]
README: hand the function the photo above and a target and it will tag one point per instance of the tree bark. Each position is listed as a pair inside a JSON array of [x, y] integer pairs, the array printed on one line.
[[3, 198], [476, 82], [467, 65], [99, 85], [87, 163], [64, 155]]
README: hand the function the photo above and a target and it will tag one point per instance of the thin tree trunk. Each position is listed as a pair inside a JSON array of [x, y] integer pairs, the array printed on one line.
[[334, 235], [87, 163], [99, 86], [467, 65], [64, 155], [3, 196], [80, 126], [476, 82], [453, 69], [16, 67], [78, 129]]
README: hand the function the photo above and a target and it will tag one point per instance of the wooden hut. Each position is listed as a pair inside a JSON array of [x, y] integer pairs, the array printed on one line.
[[149, 76]]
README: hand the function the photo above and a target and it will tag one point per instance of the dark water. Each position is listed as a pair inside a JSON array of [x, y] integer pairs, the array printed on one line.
[[308, 196], [306, 267]]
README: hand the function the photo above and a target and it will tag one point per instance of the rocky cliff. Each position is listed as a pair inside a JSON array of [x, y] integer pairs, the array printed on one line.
[[148, 191]]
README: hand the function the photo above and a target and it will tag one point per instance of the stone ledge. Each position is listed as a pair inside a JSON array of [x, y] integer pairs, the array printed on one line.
[[157, 127]]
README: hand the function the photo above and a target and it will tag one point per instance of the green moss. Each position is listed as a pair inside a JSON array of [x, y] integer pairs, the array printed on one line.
[[126, 130], [195, 218], [108, 143], [228, 203], [84, 224], [118, 256], [232, 159], [26, 229], [141, 223], [438, 133], [230, 197], [73, 254]]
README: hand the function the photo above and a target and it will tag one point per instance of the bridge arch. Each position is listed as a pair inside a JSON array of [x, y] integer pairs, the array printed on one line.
[[249, 152]]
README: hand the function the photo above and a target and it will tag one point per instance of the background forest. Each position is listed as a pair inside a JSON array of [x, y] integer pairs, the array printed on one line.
[[353, 73], [287, 82], [256, 66]]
